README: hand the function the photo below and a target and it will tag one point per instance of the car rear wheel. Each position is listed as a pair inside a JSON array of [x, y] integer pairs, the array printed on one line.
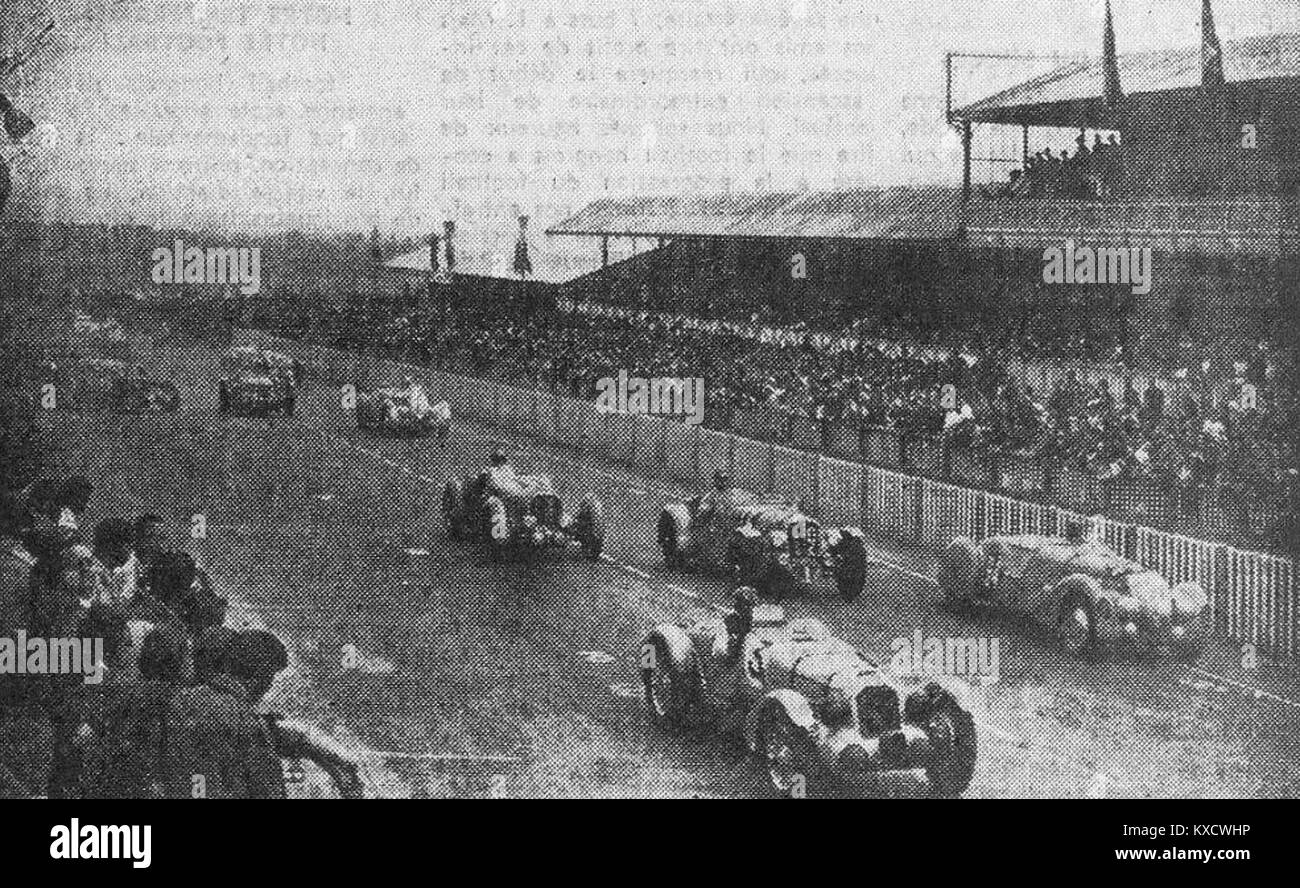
[[1076, 626], [223, 399]]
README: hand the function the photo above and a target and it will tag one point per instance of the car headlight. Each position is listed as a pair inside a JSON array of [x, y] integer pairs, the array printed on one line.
[[1190, 599]]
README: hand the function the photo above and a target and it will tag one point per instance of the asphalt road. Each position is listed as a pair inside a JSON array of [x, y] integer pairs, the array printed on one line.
[[458, 676]]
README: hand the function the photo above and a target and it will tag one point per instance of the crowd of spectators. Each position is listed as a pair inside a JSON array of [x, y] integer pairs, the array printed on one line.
[[1194, 429], [168, 707], [1088, 174]]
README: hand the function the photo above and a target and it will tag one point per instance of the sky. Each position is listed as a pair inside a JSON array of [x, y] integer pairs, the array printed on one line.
[[346, 115]]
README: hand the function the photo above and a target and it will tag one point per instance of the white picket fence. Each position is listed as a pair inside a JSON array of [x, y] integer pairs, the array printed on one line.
[[1253, 596]]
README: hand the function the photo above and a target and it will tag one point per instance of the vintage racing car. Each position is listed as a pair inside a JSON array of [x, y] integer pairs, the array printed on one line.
[[257, 382], [95, 384], [402, 410], [286, 365], [1080, 589], [767, 542], [91, 337], [820, 714], [516, 514]]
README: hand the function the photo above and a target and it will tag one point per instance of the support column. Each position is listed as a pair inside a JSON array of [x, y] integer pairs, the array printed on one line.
[[604, 267], [965, 160]]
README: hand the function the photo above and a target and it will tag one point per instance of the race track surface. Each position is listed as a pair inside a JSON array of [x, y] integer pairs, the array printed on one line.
[[459, 676]]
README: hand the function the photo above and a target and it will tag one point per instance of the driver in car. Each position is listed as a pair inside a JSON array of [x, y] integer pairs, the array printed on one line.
[[415, 396], [723, 499], [501, 476]]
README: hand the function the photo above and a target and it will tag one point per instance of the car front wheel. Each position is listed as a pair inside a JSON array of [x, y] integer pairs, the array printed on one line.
[[496, 527], [669, 690], [787, 754], [451, 500], [850, 567], [1076, 627], [953, 741]]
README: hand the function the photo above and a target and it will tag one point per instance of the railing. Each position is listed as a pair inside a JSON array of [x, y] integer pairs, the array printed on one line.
[[1259, 226], [1253, 596], [1190, 508]]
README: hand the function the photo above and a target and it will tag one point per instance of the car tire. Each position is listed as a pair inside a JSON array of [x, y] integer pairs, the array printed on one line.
[[1076, 626], [669, 532], [671, 688], [452, 496], [495, 516], [747, 559], [223, 399], [789, 761], [289, 405], [959, 571], [850, 566], [590, 528], [949, 727]]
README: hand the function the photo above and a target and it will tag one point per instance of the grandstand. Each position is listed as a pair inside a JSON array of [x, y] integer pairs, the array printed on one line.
[[1200, 164], [1190, 154]]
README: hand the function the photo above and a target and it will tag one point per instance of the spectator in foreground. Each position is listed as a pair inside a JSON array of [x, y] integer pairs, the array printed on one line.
[[112, 549], [217, 745], [130, 741]]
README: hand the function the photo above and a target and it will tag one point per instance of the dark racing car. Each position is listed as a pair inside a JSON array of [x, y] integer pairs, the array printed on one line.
[[766, 542], [1083, 591], [256, 382], [517, 514], [403, 411], [107, 384]]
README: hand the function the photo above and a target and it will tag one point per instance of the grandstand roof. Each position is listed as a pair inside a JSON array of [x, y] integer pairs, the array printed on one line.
[[1071, 95], [487, 255], [894, 214]]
